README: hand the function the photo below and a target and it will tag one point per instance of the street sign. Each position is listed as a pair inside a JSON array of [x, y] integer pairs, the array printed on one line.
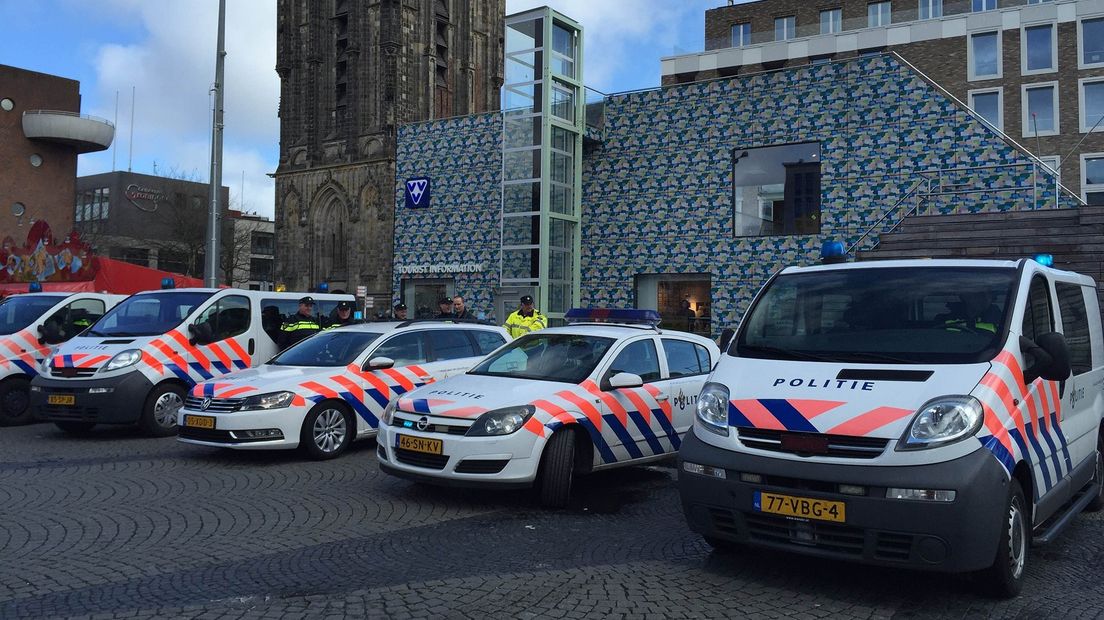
[[362, 291], [369, 302]]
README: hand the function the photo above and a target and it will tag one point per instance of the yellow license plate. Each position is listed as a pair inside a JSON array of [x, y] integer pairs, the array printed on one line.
[[421, 444], [61, 399], [199, 421], [801, 507]]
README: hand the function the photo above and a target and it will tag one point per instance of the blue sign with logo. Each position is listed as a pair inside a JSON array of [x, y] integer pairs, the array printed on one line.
[[417, 193]]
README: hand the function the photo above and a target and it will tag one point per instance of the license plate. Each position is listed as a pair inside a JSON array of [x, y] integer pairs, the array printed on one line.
[[199, 421], [801, 507], [421, 444], [61, 399]]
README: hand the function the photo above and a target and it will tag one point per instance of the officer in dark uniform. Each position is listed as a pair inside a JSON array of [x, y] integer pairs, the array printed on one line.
[[445, 309], [299, 325], [343, 315], [399, 312]]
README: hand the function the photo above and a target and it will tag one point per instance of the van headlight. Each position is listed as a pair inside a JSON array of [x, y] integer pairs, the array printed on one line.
[[941, 421], [501, 421], [273, 400], [713, 408], [123, 359]]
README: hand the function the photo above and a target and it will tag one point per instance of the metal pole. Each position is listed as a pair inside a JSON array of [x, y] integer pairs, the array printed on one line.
[[130, 157], [115, 143], [211, 270]]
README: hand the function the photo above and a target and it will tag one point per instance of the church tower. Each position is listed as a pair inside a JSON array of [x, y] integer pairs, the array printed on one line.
[[350, 73]]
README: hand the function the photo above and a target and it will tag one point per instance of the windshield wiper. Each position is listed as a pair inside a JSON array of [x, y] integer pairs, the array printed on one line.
[[788, 353], [871, 356]]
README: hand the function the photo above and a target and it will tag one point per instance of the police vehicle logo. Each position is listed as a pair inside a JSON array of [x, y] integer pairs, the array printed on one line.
[[423, 423], [416, 188], [206, 403]]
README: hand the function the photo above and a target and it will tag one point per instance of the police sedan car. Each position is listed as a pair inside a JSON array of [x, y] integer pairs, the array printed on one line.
[[606, 391], [330, 389]]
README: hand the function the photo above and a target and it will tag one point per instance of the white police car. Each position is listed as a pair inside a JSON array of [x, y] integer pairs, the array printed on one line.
[[330, 389], [551, 404]]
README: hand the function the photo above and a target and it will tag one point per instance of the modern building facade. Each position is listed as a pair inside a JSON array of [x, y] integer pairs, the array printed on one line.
[[41, 134], [253, 250], [351, 73], [1033, 69]]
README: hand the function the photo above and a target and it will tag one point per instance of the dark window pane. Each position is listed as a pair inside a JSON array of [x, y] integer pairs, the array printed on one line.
[[1075, 325], [639, 358], [450, 344], [682, 358]]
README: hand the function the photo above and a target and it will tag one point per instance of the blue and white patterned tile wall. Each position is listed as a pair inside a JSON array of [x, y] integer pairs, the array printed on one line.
[[657, 190]]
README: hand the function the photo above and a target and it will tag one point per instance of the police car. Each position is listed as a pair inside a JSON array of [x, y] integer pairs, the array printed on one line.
[[606, 391], [932, 414], [331, 388]]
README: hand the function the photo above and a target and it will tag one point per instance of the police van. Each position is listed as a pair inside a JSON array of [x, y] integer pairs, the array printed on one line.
[[330, 389], [931, 414], [138, 361], [606, 391], [31, 326]]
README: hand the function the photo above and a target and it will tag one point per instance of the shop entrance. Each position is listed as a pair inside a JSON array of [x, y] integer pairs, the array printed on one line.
[[682, 299], [421, 295]]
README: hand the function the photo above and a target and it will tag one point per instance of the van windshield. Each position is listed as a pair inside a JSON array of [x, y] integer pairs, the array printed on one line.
[[908, 315], [149, 314], [19, 311]]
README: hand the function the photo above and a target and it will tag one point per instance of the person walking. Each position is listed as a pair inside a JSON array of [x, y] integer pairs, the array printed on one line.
[[525, 319]]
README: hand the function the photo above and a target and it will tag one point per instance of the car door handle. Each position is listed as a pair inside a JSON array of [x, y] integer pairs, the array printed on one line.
[[252, 347], [662, 396]]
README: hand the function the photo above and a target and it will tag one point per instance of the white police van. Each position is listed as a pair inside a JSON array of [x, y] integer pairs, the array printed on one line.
[[607, 391], [32, 325], [138, 361], [331, 388], [930, 414]]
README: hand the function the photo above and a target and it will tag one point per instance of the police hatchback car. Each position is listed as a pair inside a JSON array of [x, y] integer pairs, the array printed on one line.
[[551, 404], [330, 389], [932, 414]]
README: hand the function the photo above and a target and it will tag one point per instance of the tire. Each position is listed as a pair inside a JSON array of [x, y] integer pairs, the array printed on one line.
[[1004, 579], [327, 431], [15, 402], [159, 415], [557, 469], [75, 428], [1097, 502]]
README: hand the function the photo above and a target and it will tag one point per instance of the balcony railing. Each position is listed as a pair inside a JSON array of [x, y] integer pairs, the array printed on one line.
[[85, 133]]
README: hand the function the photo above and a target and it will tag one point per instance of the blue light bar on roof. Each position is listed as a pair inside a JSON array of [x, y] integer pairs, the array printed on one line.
[[1046, 260], [612, 315], [34, 287], [167, 283]]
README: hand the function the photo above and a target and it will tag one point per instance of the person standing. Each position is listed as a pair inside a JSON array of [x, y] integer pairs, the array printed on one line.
[[398, 313], [343, 315], [459, 310], [444, 309], [299, 325], [525, 319]]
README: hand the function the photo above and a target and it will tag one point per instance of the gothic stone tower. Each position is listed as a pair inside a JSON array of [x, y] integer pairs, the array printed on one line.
[[351, 71]]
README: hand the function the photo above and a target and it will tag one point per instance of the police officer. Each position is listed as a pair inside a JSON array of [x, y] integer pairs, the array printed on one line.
[[525, 319], [299, 325], [343, 315], [444, 309], [459, 310], [399, 312]]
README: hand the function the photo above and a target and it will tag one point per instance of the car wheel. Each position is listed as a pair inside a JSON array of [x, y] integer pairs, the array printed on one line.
[[1004, 579], [161, 410], [75, 428], [557, 469], [1098, 477], [15, 402], [327, 431]]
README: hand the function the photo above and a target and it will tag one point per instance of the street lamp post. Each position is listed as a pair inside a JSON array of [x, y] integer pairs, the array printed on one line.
[[211, 269]]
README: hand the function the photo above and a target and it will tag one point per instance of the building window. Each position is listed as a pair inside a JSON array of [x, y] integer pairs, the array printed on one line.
[[878, 14], [1040, 109], [984, 5], [1090, 43], [263, 243], [1040, 49], [741, 35], [831, 21], [682, 299], [931, 9], [260, 269], [1052, 166], [984, 55], [989, 105], [785, 28], [776, 190], [1092, 178], [1092, 104]]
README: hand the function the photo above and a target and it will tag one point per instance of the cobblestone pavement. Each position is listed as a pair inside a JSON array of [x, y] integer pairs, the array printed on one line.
[[117, 525]]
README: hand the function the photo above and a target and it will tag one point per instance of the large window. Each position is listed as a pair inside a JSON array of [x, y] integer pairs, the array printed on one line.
[[741, 34], [983, 5], [831, 21], [984, 55], [989, 104], [1040, 109], [1092, 104], [682, 299], [785, 28], [776, 190], [226, 318], [263, 243], [931, 9], [1039, 51], [1075, 325], [260, 269], [878, 14], [638, 358], [1090, 43], [1092, 178]]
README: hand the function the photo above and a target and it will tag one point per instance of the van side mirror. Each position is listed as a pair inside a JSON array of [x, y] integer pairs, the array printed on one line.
[[1049, 357], [625, 380], [726, 338], [378, 363]]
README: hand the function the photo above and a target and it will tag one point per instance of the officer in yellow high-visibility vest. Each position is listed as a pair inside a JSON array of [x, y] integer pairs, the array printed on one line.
[[525, 319], [299, 325]]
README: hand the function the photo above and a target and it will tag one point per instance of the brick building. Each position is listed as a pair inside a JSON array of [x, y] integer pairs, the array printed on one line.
[[1034, 70], [350, 74], [41, 134]]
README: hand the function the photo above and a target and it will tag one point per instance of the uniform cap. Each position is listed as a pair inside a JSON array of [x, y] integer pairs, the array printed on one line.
[[400, 306], [526, 299], [445, 300], [344, 305], [306, 300]]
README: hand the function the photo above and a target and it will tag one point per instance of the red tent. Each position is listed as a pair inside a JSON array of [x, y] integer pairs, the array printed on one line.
[[112, 276]]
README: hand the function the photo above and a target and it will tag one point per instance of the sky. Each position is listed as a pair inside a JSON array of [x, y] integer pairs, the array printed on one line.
[[161, 54]]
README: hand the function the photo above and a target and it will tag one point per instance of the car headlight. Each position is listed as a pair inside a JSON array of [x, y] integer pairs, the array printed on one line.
[[389, 412], [44, 365], [713, 408], [273, 400], [501, 421], [123, 359], [941, 421]]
